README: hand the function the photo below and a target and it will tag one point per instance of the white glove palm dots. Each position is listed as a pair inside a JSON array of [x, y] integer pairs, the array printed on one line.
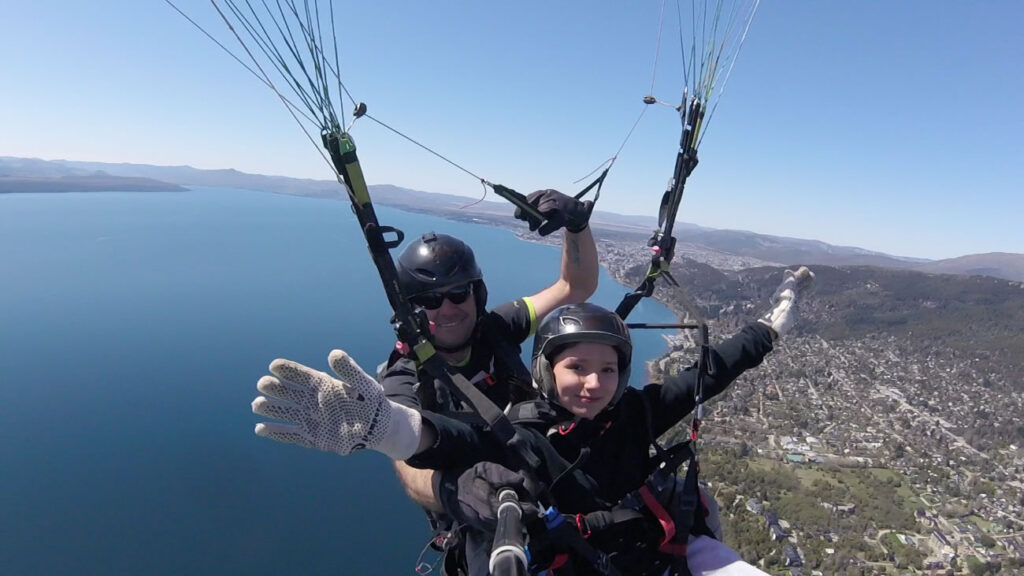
[[785, 300], [339, 415]]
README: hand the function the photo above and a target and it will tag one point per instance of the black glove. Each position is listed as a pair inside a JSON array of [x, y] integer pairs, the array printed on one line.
[[471, 496], [558, 210]]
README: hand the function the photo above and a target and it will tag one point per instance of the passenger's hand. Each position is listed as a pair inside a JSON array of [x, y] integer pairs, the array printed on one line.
[[559, 211], [339, 415], [472, 498], [785, 301]]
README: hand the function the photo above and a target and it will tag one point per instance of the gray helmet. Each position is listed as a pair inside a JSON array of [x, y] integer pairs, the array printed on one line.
[[438, 261], [572, 324]]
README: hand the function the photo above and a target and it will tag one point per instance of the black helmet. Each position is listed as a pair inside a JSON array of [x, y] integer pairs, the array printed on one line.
[[574, 323], [438, 261]]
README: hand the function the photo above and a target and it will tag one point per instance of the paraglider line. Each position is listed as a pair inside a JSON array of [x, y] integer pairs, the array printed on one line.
[[475, 202], [425, 148], [657, 47]]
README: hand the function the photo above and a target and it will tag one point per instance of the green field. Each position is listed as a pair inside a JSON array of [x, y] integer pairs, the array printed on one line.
[[882, 496], [981, 523]]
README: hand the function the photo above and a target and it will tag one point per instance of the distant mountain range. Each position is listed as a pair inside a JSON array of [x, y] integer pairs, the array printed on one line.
[[34, 175]]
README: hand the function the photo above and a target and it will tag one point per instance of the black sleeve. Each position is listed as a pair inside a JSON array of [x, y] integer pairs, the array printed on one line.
[[400, 382], [516, 319], [674, 399], [458, 444]]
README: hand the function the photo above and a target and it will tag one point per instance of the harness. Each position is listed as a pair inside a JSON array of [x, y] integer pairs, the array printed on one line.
[[649, 527], [676, 506]]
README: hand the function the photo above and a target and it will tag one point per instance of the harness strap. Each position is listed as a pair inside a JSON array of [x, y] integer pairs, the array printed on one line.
[[560, 560], [668, 526], [565, 535]]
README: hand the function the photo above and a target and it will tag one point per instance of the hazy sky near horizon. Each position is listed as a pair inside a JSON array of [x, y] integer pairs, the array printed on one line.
[[892, 126]]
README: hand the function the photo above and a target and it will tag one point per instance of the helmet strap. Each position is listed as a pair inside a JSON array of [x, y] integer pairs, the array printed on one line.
[[544, 376]]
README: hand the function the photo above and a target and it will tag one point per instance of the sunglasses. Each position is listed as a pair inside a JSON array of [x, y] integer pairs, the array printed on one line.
[[434, 300]]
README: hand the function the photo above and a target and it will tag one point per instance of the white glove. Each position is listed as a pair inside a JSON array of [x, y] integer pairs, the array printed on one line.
[[784, 312], [339, 415]]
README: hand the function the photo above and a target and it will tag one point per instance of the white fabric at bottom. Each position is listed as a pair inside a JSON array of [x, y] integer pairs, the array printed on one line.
[[709, 557]]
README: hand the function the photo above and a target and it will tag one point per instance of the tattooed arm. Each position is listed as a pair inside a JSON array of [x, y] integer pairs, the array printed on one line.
[[578, 279]]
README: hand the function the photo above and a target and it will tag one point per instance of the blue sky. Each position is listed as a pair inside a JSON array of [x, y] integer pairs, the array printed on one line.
[[892, 126]]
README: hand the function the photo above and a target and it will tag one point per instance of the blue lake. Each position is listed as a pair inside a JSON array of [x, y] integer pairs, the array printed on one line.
[[133, 329]]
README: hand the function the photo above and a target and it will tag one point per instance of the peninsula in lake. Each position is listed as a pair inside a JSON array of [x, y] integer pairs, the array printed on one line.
[[89, 183]]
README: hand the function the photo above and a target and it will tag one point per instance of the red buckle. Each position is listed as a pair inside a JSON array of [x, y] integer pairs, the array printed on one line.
[[585, 532]]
